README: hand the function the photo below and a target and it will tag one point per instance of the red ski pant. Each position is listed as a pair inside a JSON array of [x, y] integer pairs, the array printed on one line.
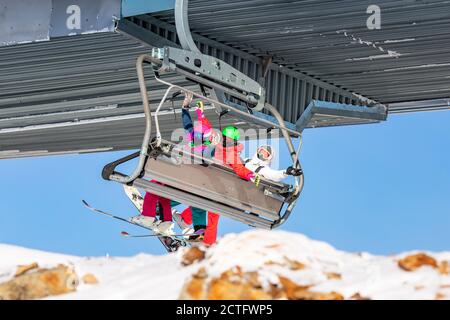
[[211, 228], [150, 203]]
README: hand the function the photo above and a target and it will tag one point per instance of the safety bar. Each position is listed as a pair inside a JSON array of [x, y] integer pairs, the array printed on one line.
[[148, 122]]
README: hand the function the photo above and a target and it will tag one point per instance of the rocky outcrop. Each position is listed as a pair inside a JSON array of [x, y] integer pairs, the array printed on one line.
[[25, 268], [415, 261], [89, 278], [30, 282], [192, 255], [234, 284], [262, 265], [444, 268]]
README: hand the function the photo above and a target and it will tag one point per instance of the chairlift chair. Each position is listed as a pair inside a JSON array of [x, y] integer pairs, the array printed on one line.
[[209, 184]]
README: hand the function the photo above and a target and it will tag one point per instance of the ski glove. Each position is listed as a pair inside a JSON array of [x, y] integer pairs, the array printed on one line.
[[250, 176], [291, 171], [187, 100], [256, 179]]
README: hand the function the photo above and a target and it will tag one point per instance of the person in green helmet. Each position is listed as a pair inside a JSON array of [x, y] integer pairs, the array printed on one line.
[[228, 152]]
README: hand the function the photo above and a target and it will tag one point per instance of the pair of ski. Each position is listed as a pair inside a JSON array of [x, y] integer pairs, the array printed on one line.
[[170, 242]]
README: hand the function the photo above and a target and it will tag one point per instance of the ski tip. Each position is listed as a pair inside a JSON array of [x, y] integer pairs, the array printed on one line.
[[125, 234], [84, 202]]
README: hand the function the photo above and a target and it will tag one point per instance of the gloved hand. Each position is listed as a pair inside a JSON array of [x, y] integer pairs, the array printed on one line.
[[256, 179], [250, 176], [200, 105], [187, 100], [291, 171]]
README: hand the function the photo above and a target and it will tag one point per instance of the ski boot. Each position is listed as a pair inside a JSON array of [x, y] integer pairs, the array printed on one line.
[[146, 222], [185, 228], [165, 228]]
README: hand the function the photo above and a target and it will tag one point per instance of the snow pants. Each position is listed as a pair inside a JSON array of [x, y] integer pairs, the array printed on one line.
[[197, 216], [151, 202], [211, 227]]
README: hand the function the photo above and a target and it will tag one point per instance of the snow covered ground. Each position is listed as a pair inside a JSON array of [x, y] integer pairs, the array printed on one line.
[[139, 277], [162, 277]]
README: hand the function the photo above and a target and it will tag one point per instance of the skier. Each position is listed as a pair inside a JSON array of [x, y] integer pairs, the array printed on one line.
[[149, 210], [260, 164], [200, 135], [201, 138], [229, 151]]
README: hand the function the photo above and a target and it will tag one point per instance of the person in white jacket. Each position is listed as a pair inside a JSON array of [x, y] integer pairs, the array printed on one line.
[[260, 164]]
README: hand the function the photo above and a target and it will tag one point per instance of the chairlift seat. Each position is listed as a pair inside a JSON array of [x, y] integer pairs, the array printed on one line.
[[219, 185]]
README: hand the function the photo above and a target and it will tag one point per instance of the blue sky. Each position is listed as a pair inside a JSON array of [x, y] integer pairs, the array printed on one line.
[[380, 188]]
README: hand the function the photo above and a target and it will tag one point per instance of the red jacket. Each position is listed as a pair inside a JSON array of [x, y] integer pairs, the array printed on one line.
[[231, 158]]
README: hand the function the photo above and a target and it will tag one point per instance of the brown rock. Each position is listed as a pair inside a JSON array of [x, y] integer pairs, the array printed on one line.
[[309, 295], [413, 262], [192, 255], [89, 278], [272, 263], [294, 291], [290, 288], [294, 265], [234, 284], [358, 296], [201, 274], [333, 276], [440, 296], [39, 284], [24, 269], [444, 268], [194, 289], [225, 289]]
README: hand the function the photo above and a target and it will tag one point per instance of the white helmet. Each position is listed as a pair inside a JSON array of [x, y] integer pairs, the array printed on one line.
[[265, 153]]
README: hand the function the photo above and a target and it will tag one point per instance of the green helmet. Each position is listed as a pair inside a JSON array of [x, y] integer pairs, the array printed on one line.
[[232, 133]]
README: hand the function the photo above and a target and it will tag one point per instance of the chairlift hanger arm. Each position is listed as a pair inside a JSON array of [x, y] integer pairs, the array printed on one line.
[[241, 113], [201, 66], [182, 26]]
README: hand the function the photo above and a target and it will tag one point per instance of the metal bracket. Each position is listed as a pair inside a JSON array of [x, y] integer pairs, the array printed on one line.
[[197, 65], [319, 112]]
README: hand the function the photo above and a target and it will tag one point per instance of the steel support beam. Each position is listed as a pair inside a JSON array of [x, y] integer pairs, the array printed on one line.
[[289, 96], [319, 112]]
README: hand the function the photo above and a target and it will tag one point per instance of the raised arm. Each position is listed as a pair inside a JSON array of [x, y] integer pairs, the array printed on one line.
[[185, 116], [201, 115]]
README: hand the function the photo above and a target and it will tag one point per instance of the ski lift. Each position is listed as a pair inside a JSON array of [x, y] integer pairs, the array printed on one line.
[[209, 184]]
